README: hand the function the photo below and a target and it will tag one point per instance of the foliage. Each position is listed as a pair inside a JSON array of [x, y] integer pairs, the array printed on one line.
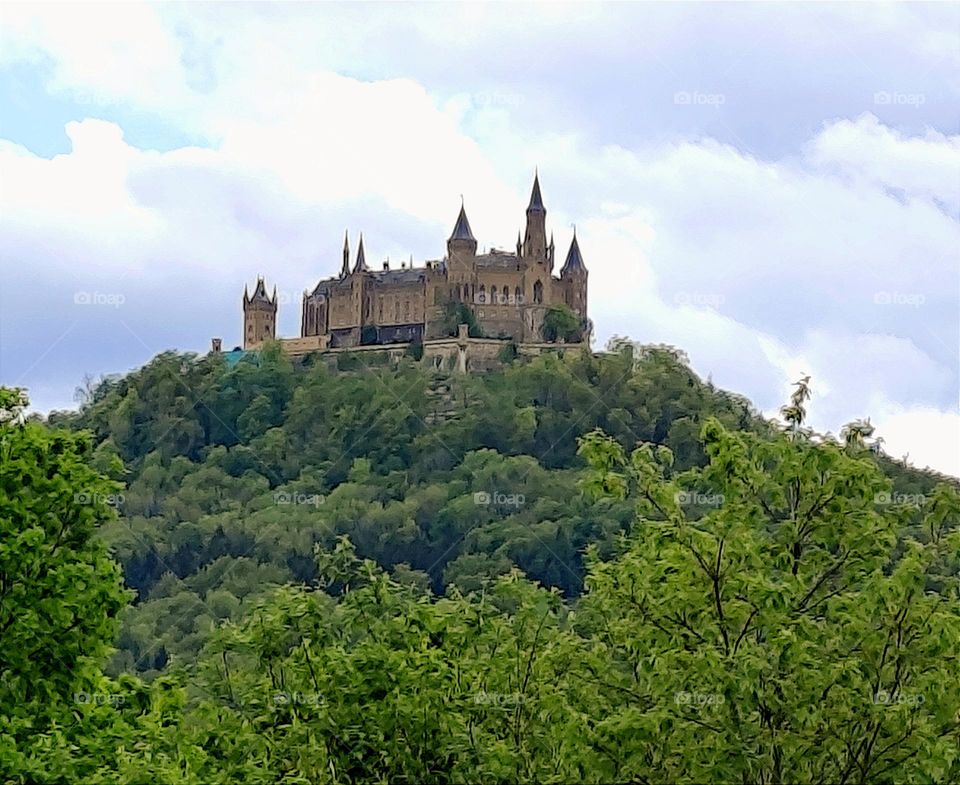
[[389, 576], [456, 314], [560, 323], [761, 612]]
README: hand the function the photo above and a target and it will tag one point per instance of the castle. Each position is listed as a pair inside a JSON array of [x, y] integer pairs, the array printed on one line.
[[508, 295]]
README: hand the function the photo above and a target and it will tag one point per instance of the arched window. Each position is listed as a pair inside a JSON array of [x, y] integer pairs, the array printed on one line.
[[493, 295], [538, 292], [517, 296], [406, 310], [396, 310], [482, 297]]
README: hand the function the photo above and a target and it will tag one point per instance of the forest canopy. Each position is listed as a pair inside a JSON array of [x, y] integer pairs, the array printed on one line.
[[584, 567]]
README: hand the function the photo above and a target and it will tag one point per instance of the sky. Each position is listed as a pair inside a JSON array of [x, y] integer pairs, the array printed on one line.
[[774, 189]]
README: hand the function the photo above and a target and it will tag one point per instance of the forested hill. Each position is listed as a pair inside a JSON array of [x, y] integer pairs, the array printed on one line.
[[380, 575], [234, 474]]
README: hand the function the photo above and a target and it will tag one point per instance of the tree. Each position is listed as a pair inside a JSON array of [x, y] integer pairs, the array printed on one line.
[[561, 324], [60, 594], [762, 623]]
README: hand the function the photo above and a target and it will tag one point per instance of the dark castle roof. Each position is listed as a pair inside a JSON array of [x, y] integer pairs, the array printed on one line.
[[461, 231], [574, 259], [501, 259], [260, 294], [536, 200]]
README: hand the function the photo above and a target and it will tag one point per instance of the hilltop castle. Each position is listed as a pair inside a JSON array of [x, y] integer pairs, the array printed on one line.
[[507, 293]]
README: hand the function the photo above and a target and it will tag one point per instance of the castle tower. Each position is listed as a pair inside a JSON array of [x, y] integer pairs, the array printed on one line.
[[535, 238], [461, 249], [259, 315], [573, 274]]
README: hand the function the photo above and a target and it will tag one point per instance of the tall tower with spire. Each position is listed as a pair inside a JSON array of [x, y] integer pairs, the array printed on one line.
[[259, 315], [535, 237]]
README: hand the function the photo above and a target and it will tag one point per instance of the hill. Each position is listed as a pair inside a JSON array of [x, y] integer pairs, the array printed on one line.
[[234, 475], [379, 574]]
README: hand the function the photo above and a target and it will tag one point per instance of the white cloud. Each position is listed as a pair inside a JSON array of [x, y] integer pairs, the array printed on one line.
[[759, 269]]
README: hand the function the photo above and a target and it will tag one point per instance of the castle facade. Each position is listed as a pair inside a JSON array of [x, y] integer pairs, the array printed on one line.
[[508, 294]]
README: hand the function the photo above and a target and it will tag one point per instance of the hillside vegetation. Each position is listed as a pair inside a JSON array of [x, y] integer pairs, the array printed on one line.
[[582, 568]]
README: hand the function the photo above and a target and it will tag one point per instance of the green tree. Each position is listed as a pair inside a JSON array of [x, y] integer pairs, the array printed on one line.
[[764, 625], [560, 323]]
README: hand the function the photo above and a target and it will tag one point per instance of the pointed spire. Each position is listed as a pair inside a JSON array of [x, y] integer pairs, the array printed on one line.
[[274, 299], [345, 269], [361, 265], [461, 230], [574, 260], [536, 200], [246, 295]]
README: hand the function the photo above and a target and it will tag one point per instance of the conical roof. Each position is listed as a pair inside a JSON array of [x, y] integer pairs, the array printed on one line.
[[361, 265], [461, 230], [574, 259], [536, 200]]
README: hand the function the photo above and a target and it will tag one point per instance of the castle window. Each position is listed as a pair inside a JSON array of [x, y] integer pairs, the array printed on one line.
[[493, 295], [538, 292], [518, 297], [406, 310], [396, 310], [482, 296]]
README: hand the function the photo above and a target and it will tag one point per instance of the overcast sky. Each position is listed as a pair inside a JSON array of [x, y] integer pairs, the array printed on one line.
[[772, 188]]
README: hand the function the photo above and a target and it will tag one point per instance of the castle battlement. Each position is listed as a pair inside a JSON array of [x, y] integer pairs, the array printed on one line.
[[504, 295]]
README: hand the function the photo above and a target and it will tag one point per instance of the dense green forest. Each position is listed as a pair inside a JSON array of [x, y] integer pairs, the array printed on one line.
[[581, 568]]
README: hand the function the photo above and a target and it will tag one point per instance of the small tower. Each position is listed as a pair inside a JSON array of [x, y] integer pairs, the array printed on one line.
[[259, 315], [345, 269], [535, 239], [462, 242], [573, 274], [461, 249]]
